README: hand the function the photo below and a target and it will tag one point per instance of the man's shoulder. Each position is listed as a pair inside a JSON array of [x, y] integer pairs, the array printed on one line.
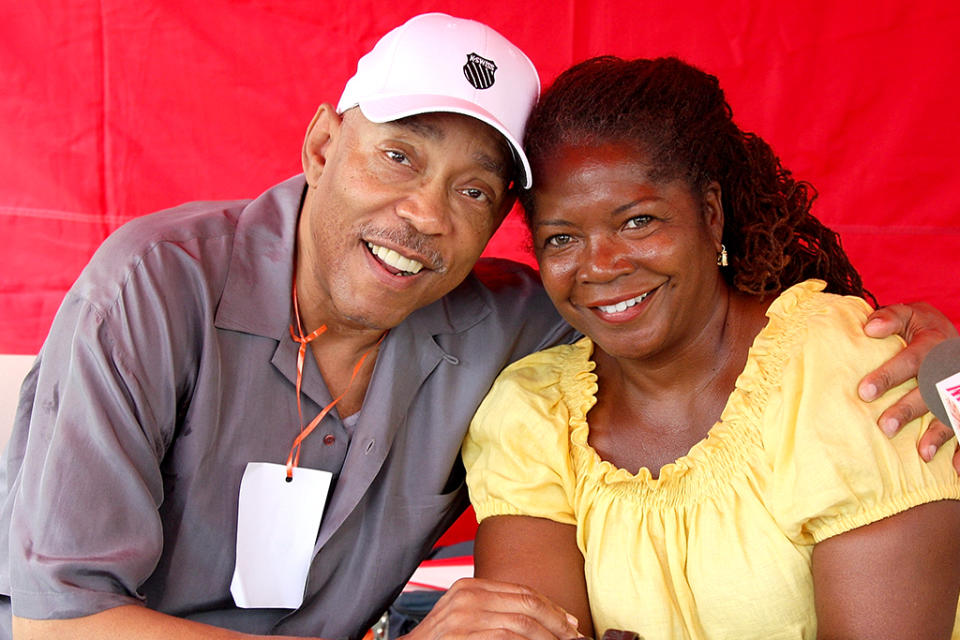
[[503, 298], [172, 251], [508, 288], [187, 222], [201, 235], [500, 275], [200, 220]]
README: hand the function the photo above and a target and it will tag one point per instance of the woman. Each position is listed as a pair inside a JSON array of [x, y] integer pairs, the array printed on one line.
[[699, 465]]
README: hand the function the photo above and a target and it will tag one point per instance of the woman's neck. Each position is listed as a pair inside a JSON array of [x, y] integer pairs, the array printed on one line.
[[651, 411]]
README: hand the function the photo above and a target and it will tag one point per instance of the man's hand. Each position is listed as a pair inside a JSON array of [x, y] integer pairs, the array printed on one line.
[[923, 327], [475, 606]]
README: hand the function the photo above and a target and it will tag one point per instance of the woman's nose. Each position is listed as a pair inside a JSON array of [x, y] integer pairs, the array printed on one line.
[[606, 260]]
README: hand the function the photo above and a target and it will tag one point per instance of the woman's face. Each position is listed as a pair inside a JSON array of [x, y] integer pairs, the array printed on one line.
[[628, 262]]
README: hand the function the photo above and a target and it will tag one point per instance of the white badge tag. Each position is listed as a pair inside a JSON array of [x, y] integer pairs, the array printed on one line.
[[277, 529]]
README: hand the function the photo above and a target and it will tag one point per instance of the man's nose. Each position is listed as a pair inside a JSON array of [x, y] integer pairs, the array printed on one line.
[[426, 209]]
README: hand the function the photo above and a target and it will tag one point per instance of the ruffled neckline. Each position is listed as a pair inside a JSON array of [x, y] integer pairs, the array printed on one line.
[[726, 451]]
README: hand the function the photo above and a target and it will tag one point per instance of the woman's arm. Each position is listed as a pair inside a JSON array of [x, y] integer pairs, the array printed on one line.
[[539, 553], [895, 578]]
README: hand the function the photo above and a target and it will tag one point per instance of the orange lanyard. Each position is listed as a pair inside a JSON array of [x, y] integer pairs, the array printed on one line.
[[293, 460]]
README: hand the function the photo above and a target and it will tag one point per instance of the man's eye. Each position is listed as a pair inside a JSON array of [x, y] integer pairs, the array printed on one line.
[[397, 156], [476, 194]]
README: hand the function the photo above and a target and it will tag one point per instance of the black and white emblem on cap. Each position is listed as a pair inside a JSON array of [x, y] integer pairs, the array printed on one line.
[[479, 71]]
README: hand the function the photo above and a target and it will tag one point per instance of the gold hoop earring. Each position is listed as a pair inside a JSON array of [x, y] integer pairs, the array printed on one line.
[[722, 257]]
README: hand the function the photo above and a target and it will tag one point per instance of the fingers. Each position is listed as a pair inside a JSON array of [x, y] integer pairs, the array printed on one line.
[[907, 320], [936, 435], [909, 407], [497, 610], [887, 321], [921, 325], [926, 317], [898, 369]]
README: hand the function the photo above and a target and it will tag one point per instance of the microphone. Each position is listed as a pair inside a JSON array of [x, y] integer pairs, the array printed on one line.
[[939, 382]]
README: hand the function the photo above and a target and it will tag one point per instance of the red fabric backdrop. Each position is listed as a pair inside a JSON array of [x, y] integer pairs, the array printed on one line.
[[112, 109]]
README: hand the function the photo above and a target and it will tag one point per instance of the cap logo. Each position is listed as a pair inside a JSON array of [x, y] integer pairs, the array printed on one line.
[[479, 71]]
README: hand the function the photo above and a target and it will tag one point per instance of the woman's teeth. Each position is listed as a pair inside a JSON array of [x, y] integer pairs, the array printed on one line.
[[623, 305], [394, 259]]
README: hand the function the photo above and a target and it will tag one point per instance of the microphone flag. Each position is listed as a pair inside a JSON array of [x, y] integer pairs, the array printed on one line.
[[939, 382], [949, 390]]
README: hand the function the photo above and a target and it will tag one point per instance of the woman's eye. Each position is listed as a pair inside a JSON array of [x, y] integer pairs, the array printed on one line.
[[558, 240], [638, 221]]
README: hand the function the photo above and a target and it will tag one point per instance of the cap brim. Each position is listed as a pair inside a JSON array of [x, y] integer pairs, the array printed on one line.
[[389, 108]]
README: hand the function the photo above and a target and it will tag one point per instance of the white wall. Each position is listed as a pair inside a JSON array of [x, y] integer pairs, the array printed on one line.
[[12, 370]]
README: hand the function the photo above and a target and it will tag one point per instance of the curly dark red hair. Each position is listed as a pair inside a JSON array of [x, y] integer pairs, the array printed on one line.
[[678, 116]]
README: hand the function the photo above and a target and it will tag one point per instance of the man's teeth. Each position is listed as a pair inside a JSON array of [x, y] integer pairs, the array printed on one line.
[[623, 305], [394, 259]]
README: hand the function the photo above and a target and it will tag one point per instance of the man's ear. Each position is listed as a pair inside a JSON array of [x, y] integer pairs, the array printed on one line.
[[713, 212], [322, 131]]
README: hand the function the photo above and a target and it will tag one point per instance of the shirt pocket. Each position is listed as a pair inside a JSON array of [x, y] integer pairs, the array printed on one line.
[[411, 525]]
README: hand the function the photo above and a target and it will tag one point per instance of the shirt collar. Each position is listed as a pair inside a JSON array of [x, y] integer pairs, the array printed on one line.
[[256, 294]]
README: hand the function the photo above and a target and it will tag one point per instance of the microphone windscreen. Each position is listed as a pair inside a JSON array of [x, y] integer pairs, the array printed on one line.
[[941, 362]]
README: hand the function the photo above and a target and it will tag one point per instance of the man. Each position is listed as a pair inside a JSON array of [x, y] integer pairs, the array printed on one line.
[[181, 355]]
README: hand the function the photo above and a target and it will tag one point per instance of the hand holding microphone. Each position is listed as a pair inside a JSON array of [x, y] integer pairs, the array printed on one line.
[[939, 382]]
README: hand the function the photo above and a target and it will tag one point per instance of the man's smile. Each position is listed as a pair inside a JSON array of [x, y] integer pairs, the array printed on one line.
[[406, 266]]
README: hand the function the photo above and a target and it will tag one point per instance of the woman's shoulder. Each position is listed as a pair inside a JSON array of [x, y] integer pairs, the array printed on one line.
[[553, 367], [538, 394], [831, 468], [806, 322], [808, 306]]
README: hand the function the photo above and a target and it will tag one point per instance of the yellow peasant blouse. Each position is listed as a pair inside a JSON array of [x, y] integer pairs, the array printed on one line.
[[719, 545]]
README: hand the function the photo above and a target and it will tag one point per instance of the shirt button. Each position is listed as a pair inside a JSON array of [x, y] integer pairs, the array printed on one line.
[[329, 439]]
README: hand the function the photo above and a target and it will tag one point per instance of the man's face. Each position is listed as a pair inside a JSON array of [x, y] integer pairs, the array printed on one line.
[[396, 214]]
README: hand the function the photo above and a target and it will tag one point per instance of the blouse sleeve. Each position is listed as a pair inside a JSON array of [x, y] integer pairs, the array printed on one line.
[[516, 452], [832, 469]]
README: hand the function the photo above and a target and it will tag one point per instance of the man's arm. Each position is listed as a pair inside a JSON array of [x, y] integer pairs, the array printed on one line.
[[471, 607], [866, 584], [123, 623], [923, 327]]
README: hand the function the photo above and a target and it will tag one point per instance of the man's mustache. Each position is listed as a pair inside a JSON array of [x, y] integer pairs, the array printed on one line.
[[420, 246]]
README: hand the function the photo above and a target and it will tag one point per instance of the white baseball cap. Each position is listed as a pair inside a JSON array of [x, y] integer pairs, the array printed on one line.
[[435, 62]]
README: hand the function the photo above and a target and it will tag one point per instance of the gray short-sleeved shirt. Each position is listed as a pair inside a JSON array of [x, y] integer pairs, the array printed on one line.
[[170, 366]]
